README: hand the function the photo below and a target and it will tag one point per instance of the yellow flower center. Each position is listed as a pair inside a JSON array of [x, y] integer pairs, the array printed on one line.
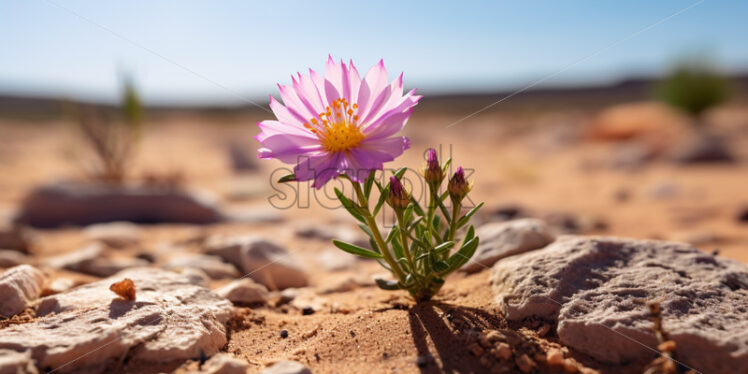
[[341, 137], [337, 128]]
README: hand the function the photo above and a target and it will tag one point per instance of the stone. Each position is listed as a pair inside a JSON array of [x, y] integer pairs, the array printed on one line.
[[90, 260], [58, 285], [335, 260], [211, 265], [742, 215], [71, 203], [114, 234], [224, 363], [596, 288], [287, 367], [503, 239], [10, 258], [15, 238], [244, 291], [260, 259], [19, 286], [703, 148], [89, 329], [14, 362], [242, 157]]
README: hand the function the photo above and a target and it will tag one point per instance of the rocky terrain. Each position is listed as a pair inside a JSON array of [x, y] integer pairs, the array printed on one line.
[[592, 218]]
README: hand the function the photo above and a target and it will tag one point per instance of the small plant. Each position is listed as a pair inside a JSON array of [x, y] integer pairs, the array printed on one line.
[[113, 142], [341, 125], [694, 87]]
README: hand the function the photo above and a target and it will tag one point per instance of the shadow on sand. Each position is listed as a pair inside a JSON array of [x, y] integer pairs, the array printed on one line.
[[448, 327]]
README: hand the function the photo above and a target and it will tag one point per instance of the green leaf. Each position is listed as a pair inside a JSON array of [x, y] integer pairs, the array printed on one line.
[[368, 184], [394, 231], [416, 207], [397, 248], [467, 215], [446, 165], [445, 211], [382, 197], [350, 206], [366, 229], [287, 178], [356, 250], [463, 255], [440, 266], [389, 285], [437, 221], [408, 214], [399, 173], [443, 247], [414, 223]]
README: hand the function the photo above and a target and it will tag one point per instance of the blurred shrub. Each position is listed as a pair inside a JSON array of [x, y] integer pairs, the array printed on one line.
[[113, 141], [693, 86]]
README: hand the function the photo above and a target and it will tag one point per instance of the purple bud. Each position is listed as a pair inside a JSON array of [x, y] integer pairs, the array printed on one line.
[[458, 187], [433, 171], [398, 198]]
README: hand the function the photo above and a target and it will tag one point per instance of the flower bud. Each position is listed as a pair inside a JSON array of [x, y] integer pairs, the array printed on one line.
[[398, 198], [432, 172], [458, 187]]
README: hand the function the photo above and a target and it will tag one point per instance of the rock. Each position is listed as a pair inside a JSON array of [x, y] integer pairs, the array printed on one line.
[[10, 258], [19, 286], [244, 291], [631, 155], [701, 148], [14, 362], [287, 367], [335, 260], [503, 239], [224, 363], [15, 238], [58, 285], [90, 329], [242, 157], [90, 260], [593, 287], [114, 234], [742, 216], [195, 276], [211, 265], [260, 259], [507, 212], [653, 123], [88, 203]]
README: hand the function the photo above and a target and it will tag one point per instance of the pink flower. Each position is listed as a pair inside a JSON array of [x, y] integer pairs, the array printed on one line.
[[337, 124]]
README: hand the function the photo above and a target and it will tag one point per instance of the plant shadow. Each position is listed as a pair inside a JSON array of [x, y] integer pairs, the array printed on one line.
[[448, 327]]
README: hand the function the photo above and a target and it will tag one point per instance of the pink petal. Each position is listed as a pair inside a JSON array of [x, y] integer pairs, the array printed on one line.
[[376, 81]]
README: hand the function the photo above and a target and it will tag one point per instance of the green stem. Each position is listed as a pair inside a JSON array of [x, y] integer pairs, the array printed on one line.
[[455, 218], [375, 231], [404, 240]]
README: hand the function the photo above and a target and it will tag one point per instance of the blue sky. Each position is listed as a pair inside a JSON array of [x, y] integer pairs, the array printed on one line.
[[236, 49]]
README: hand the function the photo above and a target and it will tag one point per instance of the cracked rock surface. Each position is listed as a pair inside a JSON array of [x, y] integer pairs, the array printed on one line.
[[90, 329], [596, 290]]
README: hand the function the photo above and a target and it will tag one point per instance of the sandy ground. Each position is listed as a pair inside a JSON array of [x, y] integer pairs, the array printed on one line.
[[539, 162]]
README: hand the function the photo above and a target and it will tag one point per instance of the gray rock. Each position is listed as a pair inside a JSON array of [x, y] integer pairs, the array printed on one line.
[[224, 363], [19, 286], [15, 238], [89, 329], [335, 259], [260, 259], [10, 258], [595, 288], [244, 291], [287, 367], [503, 239], [90, 260], [13, 362], [211, 265], [115, 234], [88, 203], [703, 148]]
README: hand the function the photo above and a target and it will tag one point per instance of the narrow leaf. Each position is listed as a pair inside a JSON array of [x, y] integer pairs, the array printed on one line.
[[287, 178], [356, 250]]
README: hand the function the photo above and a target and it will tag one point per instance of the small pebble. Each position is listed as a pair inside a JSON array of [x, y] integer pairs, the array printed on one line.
[[525, 363], [503, 351], [554, 357], [307, 311], [284, 334]]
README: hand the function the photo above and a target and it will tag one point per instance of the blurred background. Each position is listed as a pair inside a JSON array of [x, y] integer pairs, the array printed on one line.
[[619, 118]]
